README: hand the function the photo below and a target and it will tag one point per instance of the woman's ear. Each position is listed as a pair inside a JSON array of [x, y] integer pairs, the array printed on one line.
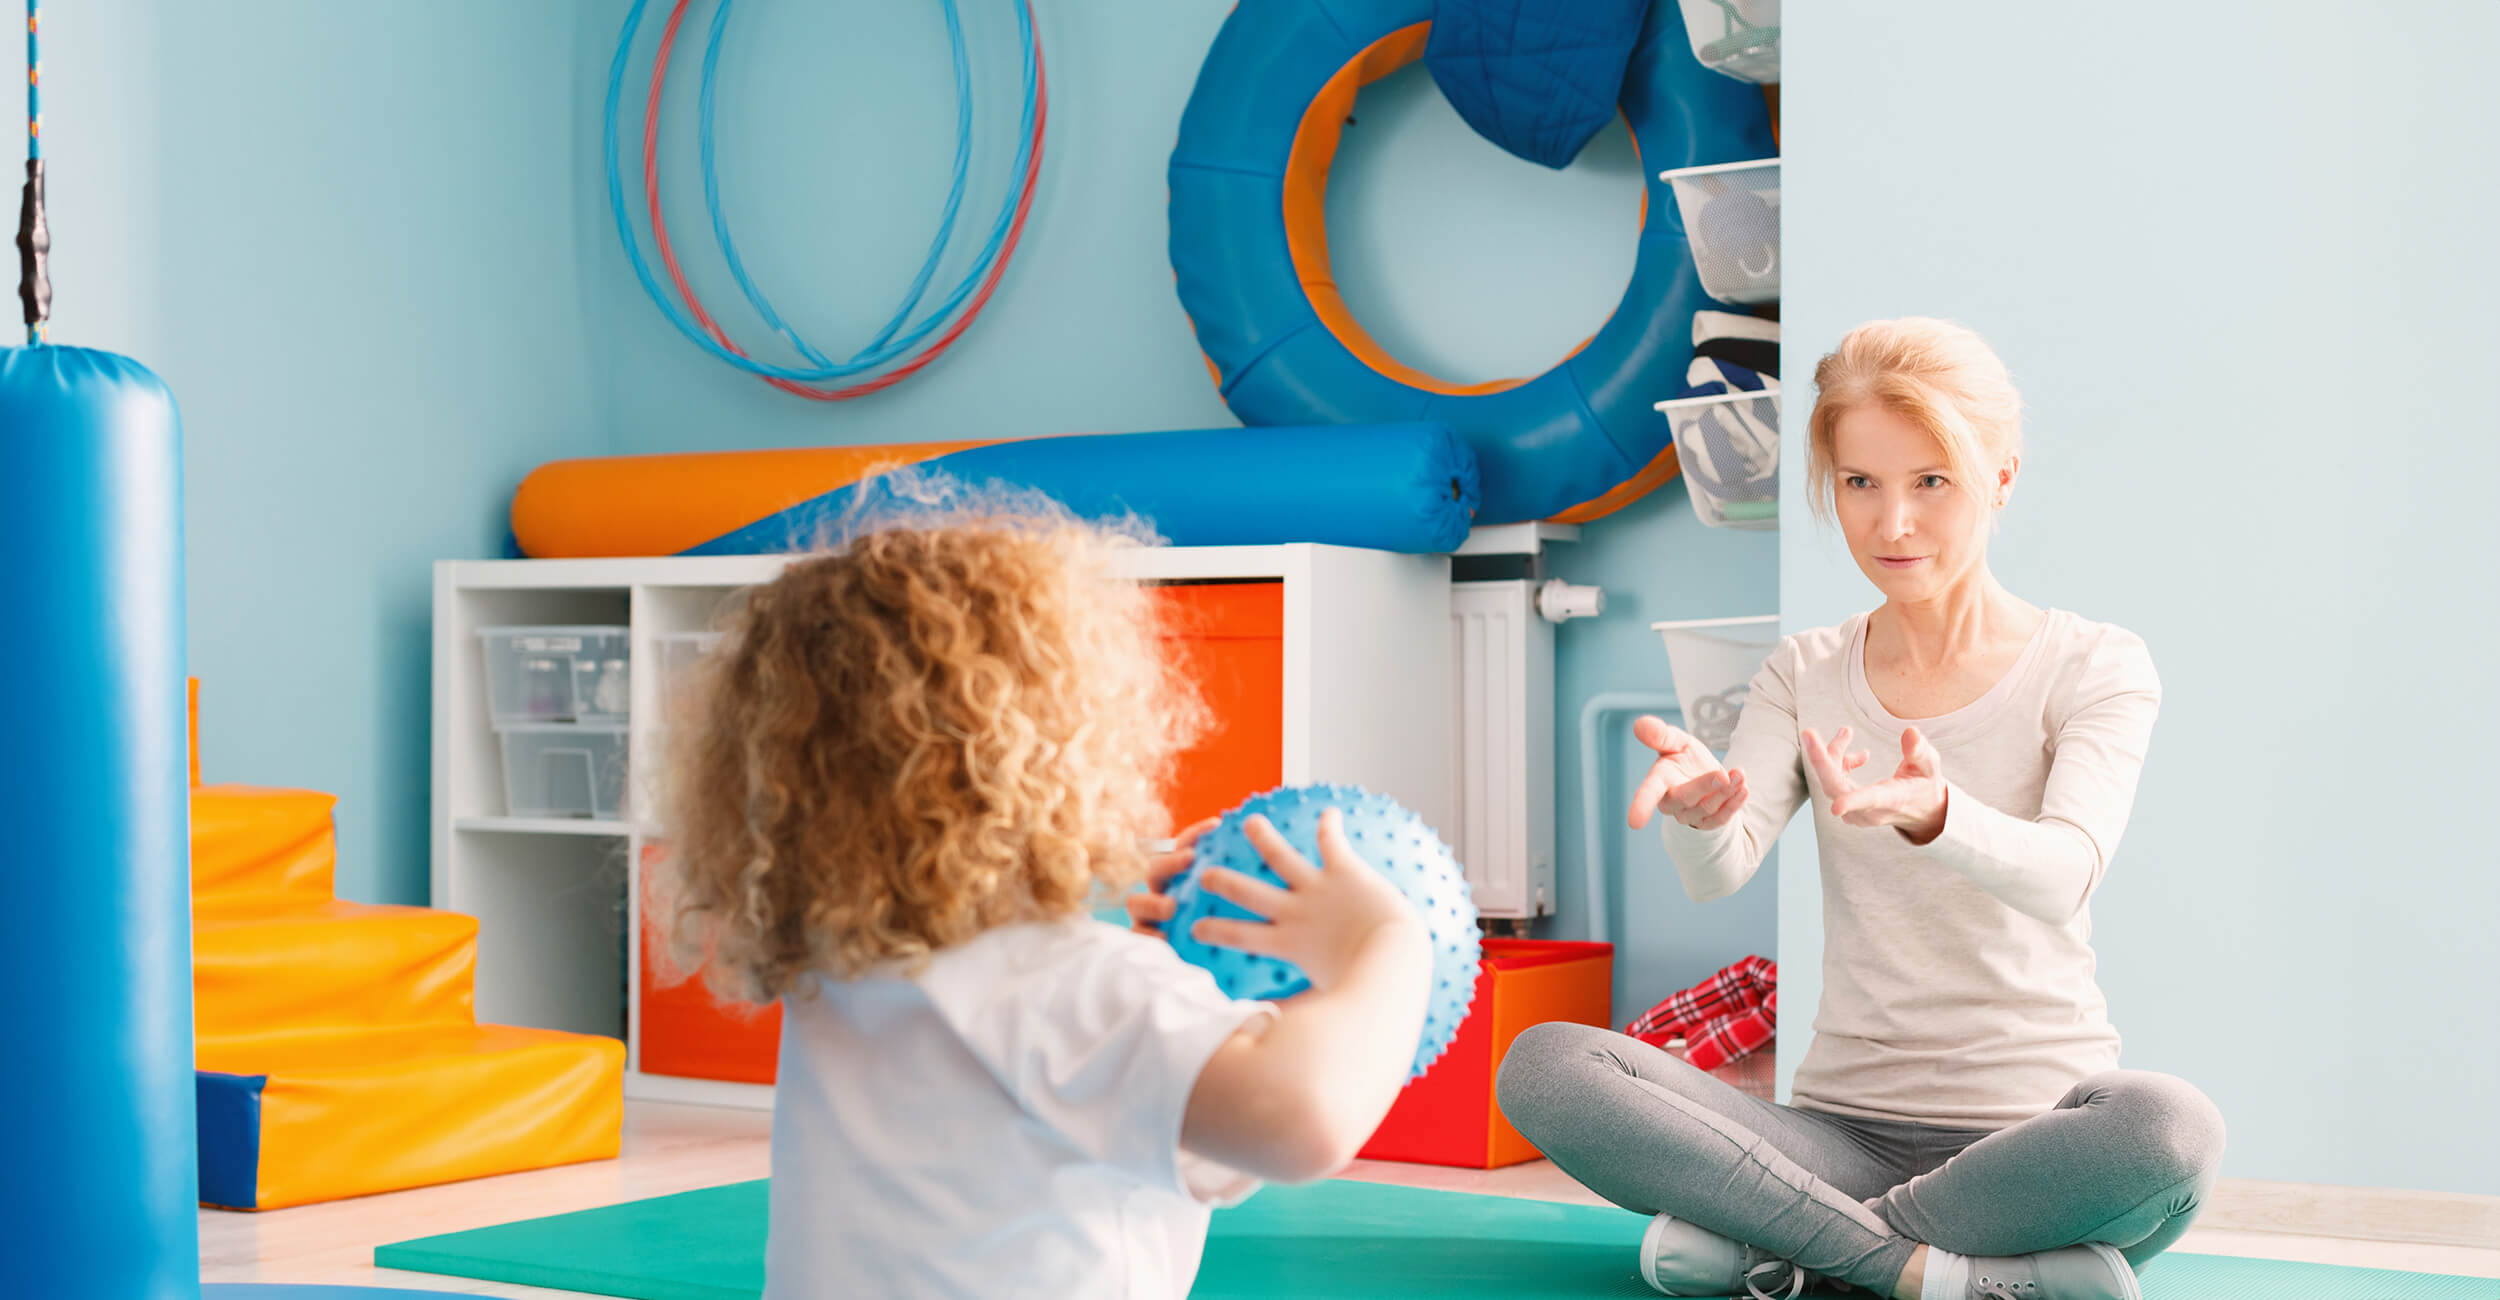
[[2005, 479]]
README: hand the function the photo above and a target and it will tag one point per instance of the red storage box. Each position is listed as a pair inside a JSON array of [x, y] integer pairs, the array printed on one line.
[[1448, 1117]]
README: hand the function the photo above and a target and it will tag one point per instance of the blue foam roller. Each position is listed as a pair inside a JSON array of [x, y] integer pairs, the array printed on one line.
[[1393, 487], [98, 1175], [1395, 841]]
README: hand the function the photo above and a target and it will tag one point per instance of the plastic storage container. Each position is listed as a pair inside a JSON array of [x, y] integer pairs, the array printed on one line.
[[1714, 661], [1731, 217], [1740, 38], [672, 654], [1728, 448], [556, 674], [559, 769]]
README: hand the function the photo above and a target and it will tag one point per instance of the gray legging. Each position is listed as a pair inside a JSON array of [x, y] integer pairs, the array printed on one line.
[[2126, 1157]]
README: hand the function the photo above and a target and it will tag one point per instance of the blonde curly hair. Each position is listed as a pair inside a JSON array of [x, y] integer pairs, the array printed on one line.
[[958, 719]]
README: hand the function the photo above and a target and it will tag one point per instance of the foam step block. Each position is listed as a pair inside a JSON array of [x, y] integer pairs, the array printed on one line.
[[338, 1052], [259, 849], [330, 966], [324, 1117]]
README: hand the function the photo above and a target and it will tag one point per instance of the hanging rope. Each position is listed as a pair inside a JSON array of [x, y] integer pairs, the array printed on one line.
[[894, 340], [34, 238]]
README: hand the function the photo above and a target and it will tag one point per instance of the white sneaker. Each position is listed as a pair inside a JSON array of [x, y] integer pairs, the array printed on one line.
[[2092, 1271], [1685, 1259]]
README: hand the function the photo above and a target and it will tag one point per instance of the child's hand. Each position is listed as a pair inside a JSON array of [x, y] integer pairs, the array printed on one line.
[[1147, 911], [1323, 920]]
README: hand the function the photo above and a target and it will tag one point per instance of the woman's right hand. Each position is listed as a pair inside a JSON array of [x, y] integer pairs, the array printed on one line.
[[1687, 782]]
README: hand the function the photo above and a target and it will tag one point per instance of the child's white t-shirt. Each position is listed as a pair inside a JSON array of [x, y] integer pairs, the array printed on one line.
[[1005, 1123]]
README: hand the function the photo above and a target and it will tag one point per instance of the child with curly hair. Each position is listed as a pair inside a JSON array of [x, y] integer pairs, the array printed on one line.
[[891, 797]]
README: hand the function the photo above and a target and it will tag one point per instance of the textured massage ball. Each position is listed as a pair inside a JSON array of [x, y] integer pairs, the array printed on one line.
[[1394, 841]]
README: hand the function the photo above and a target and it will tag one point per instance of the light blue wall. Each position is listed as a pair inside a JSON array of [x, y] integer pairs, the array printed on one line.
[[1416, 193], [347, 236], [1656, 562], [2240, 258], [372, 254], [1457, 256], [837, 129]]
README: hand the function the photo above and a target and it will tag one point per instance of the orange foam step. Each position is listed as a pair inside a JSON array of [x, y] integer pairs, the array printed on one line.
[[331, 966], [257, 849], [322, 1118]]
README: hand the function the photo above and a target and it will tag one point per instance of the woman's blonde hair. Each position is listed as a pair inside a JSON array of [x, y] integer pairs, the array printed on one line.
[[1936, 374], [957, 719]]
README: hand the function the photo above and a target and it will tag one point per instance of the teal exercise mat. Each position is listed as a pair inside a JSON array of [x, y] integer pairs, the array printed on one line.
[[2174, 1276], [306, 1291], [1338, 1240], [1348, 1239], [1319, 1241], [706, 1245]]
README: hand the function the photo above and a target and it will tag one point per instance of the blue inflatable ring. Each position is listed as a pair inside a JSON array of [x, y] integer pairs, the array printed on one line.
[[1249, 181]]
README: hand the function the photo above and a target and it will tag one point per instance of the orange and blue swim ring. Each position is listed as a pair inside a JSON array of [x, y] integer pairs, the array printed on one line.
[[1249, 182]]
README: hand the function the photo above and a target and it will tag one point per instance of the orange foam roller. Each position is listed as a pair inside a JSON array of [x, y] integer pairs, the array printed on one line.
[[672, 502]]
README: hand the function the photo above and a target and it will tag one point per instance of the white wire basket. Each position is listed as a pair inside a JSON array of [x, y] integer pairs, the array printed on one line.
[[1740, 38], [1728, 449], [1731, 217], [1714, 661]]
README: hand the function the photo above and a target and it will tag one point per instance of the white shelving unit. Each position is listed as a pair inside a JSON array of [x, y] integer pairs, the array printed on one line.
[[1368, 685]]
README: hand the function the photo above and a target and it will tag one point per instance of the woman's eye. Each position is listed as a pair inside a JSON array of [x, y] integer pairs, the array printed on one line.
[[1857, 480], [1932, 480]]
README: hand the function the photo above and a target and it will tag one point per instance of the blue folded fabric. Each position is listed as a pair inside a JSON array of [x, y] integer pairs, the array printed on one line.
[[1537, 77]]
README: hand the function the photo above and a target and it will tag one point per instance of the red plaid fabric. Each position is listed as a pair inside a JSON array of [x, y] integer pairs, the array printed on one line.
[[1733, 1038], [1726, 1017]]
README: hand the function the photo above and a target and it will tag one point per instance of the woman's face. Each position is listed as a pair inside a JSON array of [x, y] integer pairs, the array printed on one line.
[[1913, 530]]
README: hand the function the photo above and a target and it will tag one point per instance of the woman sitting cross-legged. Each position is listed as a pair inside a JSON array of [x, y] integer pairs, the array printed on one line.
[[1960, 1129]]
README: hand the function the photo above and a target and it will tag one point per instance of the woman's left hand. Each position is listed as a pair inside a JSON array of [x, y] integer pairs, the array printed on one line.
[[1913, 799]]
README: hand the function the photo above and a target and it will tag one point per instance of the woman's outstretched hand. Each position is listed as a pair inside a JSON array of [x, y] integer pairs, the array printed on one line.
[[1687, 782], [1913, 798]]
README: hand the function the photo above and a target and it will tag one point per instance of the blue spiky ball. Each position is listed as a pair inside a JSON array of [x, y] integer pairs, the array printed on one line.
[[1394, 841]]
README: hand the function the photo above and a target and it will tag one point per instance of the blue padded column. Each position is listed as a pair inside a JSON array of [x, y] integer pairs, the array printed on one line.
[[97, 1149]]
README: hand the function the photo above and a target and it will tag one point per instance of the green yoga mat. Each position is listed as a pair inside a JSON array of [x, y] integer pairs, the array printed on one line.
[[1327, 1241]]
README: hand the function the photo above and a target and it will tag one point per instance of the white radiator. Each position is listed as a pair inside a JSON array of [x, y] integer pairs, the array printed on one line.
[[1505, 771]]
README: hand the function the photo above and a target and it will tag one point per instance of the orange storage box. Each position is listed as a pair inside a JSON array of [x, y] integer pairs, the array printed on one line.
[[687, 1032], [1448, 1117], [1230, 639], [1230, 636]]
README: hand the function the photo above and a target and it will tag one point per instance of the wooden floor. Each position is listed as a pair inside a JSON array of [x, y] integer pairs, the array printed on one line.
[[680, 1148]]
